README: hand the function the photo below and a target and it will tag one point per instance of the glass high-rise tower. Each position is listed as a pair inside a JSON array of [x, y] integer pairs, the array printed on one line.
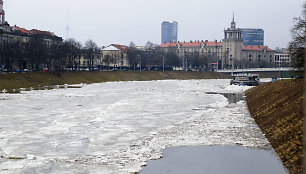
[[252, 36], [169, 32]]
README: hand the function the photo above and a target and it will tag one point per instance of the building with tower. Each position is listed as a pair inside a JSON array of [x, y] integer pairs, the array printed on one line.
[[2, 13], [231, 53], [169, 32], [232, 46], [14, 33]]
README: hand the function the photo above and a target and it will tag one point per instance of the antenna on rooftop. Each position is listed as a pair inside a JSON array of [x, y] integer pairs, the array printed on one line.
[[67, 26]]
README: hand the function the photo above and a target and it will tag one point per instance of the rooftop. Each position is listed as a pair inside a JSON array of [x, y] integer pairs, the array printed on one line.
[[20, 29], [115, 47], [255, 48], [121, 47], [191, 44]]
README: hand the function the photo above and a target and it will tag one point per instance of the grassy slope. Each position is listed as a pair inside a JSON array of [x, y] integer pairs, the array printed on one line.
[[26, 80], [278, 110]]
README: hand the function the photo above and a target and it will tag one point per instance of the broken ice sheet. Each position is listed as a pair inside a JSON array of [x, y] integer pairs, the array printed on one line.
[[116, 127]]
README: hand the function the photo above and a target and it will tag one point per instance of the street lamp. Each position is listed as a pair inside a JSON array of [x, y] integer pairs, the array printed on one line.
[[139, 62], [163, 62]]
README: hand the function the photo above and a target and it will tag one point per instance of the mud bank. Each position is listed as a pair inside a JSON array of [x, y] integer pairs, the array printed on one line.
[[41, 79], [278, 110]]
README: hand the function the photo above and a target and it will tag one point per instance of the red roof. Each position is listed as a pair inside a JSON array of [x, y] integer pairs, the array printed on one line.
[[213, 43], [255, 48], [121, 47], [21, 29], [34, 31], [168, 44], [191, 44]]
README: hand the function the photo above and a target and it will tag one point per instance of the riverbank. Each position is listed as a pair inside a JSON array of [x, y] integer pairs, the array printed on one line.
[[278, 110], [39, 79]]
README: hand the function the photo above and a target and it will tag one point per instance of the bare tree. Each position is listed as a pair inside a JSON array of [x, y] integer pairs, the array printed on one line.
[[297, 45], [37, 51], [133, 55], [59, 52], [74, 49], [92, 52]]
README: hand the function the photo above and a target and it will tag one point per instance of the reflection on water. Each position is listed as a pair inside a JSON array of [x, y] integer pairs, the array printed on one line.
[[231, 97], [216, 160]]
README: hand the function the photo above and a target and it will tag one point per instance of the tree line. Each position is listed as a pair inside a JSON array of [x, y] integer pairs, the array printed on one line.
[[38, 54], [155, 58]]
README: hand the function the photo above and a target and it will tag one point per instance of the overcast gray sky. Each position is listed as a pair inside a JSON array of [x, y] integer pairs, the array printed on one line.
[[123, 21]]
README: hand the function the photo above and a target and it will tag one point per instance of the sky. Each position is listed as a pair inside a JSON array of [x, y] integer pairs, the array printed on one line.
[[123, 21]]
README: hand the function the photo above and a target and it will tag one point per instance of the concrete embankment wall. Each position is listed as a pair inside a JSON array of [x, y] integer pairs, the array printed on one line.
[[35, 79], [278, 110]]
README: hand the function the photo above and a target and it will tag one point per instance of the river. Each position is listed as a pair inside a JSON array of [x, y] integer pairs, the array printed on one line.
[[117, 127]]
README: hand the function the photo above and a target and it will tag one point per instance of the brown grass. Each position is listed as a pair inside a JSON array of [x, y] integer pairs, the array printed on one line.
[[27, 80], [278, 110]]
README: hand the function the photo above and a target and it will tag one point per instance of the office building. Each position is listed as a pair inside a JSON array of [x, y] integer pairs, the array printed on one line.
[[282, 58], [169, 32], [252, 36]]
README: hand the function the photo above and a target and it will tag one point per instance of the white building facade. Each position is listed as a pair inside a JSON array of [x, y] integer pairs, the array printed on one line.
[[115, 56]]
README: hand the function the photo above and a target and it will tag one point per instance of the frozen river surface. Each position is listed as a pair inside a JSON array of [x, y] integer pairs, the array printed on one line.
[[117, 127]]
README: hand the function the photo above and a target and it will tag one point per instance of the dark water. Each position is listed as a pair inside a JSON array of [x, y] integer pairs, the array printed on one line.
[[231, 97], [216, 160]]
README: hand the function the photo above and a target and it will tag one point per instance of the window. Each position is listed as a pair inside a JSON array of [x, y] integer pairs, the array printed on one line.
[[276, 57]]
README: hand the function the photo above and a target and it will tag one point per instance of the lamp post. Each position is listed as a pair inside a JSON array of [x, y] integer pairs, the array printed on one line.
[[139, 62], [163, 62]]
